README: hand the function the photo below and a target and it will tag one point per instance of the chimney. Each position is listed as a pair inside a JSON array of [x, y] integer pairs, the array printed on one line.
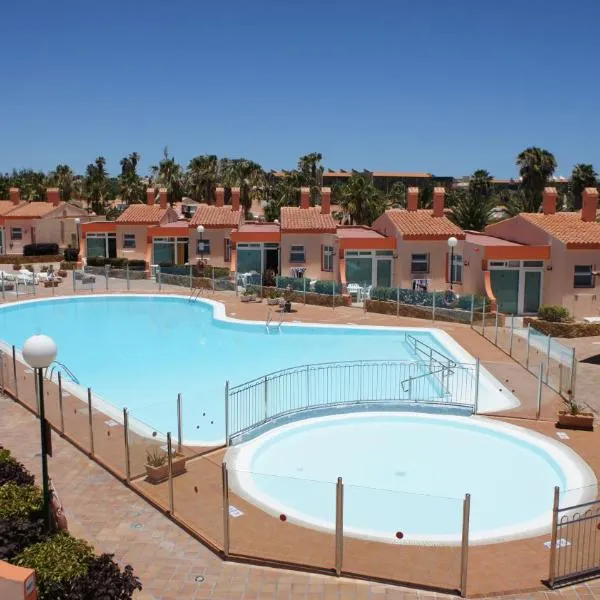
[[53, 196], [15, 195], [150, 196], [589, 204], [325, 200], [164, 197], [412, 198], [549, 200], [220, 194], [439, 193], [304, 197], [235, 199]]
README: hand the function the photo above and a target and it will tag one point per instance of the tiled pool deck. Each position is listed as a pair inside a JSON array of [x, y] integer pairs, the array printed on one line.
[[115, 519]]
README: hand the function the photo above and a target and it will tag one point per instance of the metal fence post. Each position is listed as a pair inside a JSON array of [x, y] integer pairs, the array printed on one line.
[[127, 277], [126, 439], [483, 319], [528, 343], [333, 294], [106, 271], [90, 421], [512, 331], [14, 361], [33, 280], [307, 386], [73, 271], [158, 276], [553, 538], [538, 406], [397, 302], [191, 279], [304, 288], [3, 292], [339, 526], [227, 413], [464, 555], [170, 465], [496, 333], [433, 306], [573, 374], [213, 279], [179, 423], [266, 384], [60, 404], [476, 400], [548, 352], [225, 480]]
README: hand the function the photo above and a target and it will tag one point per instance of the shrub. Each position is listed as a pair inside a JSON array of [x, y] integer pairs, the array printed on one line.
[[117, 263], [40, 250], [11, 470], [329, 287], [19, 501], [96, 261], [18, 534], [60, 558], [71, 254], [296, 283], [137, 265], [68, 265], [554, 313]]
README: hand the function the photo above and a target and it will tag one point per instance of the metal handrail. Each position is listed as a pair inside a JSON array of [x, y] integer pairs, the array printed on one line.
[[428, 351], [62, 367], [195, 294], [282, 313], [269, 319]]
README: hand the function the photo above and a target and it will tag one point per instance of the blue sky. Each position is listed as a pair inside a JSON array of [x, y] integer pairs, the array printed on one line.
[[420, 85]]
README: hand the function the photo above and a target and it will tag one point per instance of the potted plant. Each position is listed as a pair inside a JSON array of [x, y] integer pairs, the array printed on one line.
[[287, 305], [573, 417], [248, 296], [17, 266], [273, 297], [157, 465]]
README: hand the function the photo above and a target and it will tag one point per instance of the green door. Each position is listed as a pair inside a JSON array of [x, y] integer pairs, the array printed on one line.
[[533, 288], [384, 273], [505, 285]]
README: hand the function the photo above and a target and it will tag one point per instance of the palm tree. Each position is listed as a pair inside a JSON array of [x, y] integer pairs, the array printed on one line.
[[201, 177], [32, 184], [283, 191], [168, 174], [96, 185], [583, 176], [245, 174], [471, 212], [62, 177], [130, 186], [361, 202], [536, 166], [396, 195], [311, 170]]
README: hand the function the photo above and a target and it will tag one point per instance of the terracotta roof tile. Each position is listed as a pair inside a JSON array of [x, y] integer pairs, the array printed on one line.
[[32, 210], [306, 219], [6, 206], [216, 216], [143, 214], [421, 224], [567, 227]]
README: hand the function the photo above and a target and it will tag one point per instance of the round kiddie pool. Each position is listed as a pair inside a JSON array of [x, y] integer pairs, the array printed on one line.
[[408, 473], [140, 352]]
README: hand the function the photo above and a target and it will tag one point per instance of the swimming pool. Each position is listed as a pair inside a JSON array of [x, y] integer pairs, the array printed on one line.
[[139, 352], [408, 473]]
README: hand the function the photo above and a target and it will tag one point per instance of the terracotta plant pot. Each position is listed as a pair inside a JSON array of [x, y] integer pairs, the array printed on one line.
[[159, 474], [579, 421]]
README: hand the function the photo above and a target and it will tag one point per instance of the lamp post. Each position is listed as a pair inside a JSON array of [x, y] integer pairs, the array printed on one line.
[[39, 351], [77, 223], [200, 230], [452, 241]]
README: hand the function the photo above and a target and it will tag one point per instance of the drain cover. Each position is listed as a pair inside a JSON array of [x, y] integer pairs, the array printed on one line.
[[199, 579]]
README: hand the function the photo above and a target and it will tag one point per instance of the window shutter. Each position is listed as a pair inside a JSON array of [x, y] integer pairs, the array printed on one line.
[[448, 267]]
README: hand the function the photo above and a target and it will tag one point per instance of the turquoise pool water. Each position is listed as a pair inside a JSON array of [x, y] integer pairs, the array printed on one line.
[[139, 352], [406, 472]]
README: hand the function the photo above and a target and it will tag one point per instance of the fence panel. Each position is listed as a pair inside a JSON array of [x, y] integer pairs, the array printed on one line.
[[560, 368], [280, 526], [76, 415], [389, 534], [109, 434]]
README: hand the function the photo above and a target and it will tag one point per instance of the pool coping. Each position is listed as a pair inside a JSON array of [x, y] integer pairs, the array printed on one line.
[[581, 482], [489, 384]]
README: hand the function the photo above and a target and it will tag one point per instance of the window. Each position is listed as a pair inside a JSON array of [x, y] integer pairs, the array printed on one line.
[[203, 247], [16, 233], [419, 263], [456, 269], [583, 276], [129, 241], [227, 250], [297, 254], [327, 258], [533, 263]]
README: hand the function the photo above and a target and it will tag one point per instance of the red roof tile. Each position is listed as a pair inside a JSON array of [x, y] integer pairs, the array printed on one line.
[[32, 210], [216, 216], [422, 225], [142, 214], [306, 219], [567, 227], [6, 206]]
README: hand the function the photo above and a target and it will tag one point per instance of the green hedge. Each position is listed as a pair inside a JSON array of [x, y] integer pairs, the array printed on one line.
[[420, 298], [554, 313], [19, 501]]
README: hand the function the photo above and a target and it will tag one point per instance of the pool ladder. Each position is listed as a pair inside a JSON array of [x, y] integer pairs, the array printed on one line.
[[55, 365], [270, 320], [196, 293]]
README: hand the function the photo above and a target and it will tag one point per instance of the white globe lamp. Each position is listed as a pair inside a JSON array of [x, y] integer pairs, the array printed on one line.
[[39, 351]]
